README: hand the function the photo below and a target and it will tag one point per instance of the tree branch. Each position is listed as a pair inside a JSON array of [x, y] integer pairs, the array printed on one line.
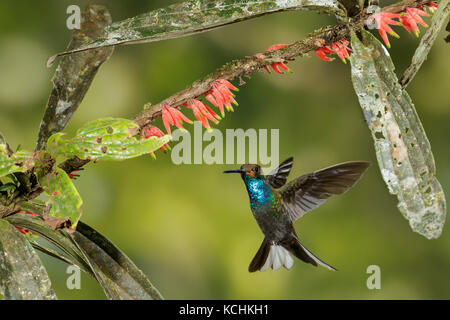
[[248, 65]]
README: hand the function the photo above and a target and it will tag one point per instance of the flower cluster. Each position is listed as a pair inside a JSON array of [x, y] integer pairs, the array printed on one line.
[[173, 117], [338, 47], [409, 19], [383, 20], [220, 95], [277, 65], [202, 112], [152, 131]]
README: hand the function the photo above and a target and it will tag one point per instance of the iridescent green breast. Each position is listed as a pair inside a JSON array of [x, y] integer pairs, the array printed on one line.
[[267, 208]]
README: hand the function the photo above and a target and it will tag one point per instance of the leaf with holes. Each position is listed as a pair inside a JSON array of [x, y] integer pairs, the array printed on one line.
[[402, 148], [19, 161], [105, 139], [63, 198]]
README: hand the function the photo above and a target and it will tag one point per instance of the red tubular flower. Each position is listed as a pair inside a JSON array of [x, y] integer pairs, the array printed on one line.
[[323, 53], [277, 65], [383, 20], [220, 95], [409, 24], [173, 117], [210, 97], [202, 112], [152, 131], [410, 19], [339, 47]]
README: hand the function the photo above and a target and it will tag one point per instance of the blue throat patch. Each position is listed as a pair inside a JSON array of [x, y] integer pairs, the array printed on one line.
[[259, 192]]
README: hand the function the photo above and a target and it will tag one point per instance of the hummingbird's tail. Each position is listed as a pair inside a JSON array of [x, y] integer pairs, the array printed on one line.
[[297, 249], [275, 255], [271, 255]]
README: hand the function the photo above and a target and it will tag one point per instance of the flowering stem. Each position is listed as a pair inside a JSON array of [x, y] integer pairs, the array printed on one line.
[[250, 64]]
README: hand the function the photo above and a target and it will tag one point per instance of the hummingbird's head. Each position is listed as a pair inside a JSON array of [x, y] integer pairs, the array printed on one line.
[[248, 170]]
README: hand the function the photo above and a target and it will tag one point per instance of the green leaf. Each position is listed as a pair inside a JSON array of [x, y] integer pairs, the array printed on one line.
[[7, 186], [59, 238], [402, 148], [19, 161], [22, 275], [118, 275], [105, 139], [195, 16], [62, 195], [55, 254]]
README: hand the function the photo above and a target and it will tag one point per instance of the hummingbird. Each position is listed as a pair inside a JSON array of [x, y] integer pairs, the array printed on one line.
[[276, 206]]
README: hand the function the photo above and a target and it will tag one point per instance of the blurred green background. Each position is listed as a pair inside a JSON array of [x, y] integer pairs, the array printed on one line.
[[189, 227]]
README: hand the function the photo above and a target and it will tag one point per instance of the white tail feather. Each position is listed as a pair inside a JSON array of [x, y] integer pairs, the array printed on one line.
[[278, 257], [320, 262]]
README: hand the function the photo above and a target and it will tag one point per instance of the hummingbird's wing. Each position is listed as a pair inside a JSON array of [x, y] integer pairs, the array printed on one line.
[[278, 177], [309, 191]]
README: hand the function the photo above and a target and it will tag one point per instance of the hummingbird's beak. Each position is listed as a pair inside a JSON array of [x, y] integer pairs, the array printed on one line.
[[234, 171]]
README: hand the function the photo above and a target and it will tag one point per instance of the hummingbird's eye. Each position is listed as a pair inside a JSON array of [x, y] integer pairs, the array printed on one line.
[[255, 169]]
